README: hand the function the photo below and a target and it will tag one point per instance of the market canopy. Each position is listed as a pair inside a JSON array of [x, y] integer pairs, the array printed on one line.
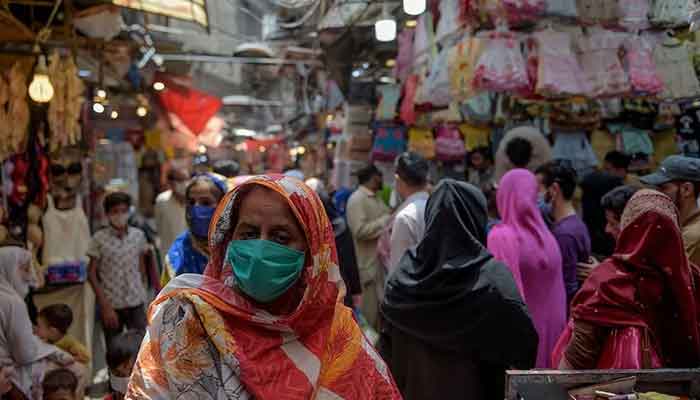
[[188, 10]]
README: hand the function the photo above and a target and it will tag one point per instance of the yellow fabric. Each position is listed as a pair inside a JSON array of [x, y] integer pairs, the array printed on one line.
[[475, 136], [421, 141], [73, 347]]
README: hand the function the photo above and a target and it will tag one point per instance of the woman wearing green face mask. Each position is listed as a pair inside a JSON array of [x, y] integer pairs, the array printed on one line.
[[266, 321]]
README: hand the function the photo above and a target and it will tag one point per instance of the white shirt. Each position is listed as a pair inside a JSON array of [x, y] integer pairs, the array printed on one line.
[[170, 220], [409, 226]]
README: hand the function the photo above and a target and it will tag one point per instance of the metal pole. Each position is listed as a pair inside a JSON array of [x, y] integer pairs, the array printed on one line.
[[235, 60]]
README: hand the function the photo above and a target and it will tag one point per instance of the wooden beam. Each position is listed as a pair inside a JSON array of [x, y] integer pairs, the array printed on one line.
[[40, 3]]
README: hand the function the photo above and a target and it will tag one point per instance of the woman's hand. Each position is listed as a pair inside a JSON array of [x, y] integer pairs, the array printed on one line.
[[110, 317], [583, 270]]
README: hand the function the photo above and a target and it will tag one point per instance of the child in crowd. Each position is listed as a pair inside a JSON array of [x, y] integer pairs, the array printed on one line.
[[60, 384], [52, 327], [121, 357]]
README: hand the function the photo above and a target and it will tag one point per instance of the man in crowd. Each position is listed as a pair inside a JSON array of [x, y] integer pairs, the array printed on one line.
[[117, 267], [679, 178], [559, 181], [170, 209], [618, 163], [409, 222], [367, 215]]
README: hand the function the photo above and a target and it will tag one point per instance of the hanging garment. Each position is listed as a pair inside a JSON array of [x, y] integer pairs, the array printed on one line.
[[449, 145], [408, 105], [634, 140], [421, 141], [639, 58], [501, 67], [449, 19], [474, 136], [66, 234], [462, 61], [601, 63], [437, 83], [424, 45], [669, 13], [388, 100], [597, 11], [389, 142], [479, 108], [676, 71], [558, 73], [574, 146], [634, 14], [404, 59], [523, 11]]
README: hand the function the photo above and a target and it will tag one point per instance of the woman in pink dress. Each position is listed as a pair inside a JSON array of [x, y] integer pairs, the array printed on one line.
[[524, 243]]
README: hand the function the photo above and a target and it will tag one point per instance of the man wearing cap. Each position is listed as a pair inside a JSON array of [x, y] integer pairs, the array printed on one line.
[[679, 178]]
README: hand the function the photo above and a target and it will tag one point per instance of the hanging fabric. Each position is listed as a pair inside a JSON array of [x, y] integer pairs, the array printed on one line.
[[462, 61], [388, 101], [639, 60], [558, 71], [421, 141], [389, 142], [408, 106], [501, 67], [404, 59], [449, 19], [601, 64], [437, 83], [449, 145]]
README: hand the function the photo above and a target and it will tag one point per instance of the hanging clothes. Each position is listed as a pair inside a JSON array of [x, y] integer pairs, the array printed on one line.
[[634, 14], [404, 58], [639, 57], [601, 64], [562, 8], [462, 62], [669, 13], [574, 146], [597, 11], [559, 73], [449, 19], [388, 100], [501, 67], [673, 64]]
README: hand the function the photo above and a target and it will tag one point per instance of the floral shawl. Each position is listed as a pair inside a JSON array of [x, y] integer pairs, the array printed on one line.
[[207, 341]]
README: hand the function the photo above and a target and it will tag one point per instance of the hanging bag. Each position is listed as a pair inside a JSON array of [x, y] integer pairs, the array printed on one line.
[[389, 142], [449, 145], [421, 141], [388, 101]]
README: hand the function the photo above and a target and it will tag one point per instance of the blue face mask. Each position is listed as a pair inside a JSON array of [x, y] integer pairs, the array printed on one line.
[[198, 219], [264, 270], [545, 206]]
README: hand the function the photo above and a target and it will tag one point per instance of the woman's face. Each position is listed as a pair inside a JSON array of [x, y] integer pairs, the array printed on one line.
[[202, 194], [264, 214]]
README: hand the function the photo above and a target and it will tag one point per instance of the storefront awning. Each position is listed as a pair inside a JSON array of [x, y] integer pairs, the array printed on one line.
[[188, 10]]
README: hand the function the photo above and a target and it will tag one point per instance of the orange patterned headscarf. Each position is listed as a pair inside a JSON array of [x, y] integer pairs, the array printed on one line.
[[208, 340]]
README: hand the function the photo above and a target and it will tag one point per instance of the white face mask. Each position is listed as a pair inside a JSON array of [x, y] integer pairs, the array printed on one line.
[[119, 220], [119, 383]]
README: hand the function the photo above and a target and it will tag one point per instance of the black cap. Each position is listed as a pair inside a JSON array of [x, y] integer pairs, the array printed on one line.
[[675, 168]]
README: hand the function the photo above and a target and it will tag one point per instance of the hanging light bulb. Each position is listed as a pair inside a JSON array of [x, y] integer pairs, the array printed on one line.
[[101, 93], [114, 114], [141, 111], [385, 27], [41, 90], [158, 86], [98, 108], [414, 7]]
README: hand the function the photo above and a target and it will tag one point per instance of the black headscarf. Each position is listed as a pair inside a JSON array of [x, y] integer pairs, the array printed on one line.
[[451, 293], [596, 185]]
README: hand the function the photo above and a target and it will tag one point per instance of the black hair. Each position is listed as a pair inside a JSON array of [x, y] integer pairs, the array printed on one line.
[[209, 181], [367, 173], [123, 347], [561, 173], [616, 200], [618, 159], [519, 151], [227, 168], [484, 151], [413, 169], [58, 316], [59, 379], [115, 199]]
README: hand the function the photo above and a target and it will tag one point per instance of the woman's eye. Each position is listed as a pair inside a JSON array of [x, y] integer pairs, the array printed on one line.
[[281, 238], [249, 235]]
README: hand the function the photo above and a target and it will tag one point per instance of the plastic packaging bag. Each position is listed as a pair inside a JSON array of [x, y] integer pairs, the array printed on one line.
[[437, 84], [501, 67], [449, 145]]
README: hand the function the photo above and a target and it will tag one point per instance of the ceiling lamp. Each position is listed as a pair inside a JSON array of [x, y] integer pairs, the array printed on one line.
[[41, 90], [101, 94], [414, 7], [98, 108], [141, 111], [115, 114], [158, 86], [385, 28], [411, 23], [390, 63]]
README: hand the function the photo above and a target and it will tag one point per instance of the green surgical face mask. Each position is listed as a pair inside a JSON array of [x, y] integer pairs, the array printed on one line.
[[264, 270]]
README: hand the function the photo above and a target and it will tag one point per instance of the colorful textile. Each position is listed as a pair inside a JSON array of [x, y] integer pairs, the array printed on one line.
[[208, 341], [647, 284], [183, 258], [523, 242]]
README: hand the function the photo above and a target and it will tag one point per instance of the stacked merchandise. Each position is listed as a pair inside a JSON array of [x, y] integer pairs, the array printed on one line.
[[592, 75], [353, 147]]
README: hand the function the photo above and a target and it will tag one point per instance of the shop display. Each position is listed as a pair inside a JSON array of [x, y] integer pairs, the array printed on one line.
[[14, 109], [65, 106]]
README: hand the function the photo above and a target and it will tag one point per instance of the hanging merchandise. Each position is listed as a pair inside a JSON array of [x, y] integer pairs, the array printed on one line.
[[634, 14], [601, 63], [501, 67], [669, 13], [408, 107], [688, 126], [576, 113], [449, 19], [597, 11], [14, 110], [64, 109], [666, 118], [610, 108], [639, 112], [437, 83], [523, 11], [479, 108], [639, 60], [562, 8], [388, 101], [404, 59], [462, 61], [574, 146], [672, 58], [449, 145], [632, 140], [193, 107], [389, 142], [475, 136], [334, 96], [424, 44], [559, 73], [421, 141]]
